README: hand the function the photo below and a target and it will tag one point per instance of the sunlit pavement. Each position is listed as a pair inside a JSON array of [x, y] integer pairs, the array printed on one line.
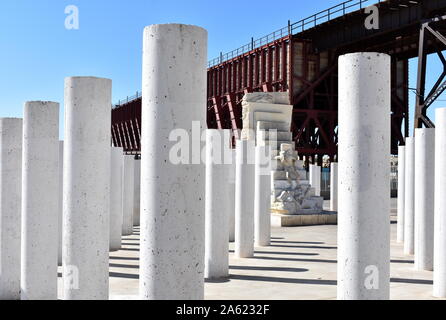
[[299, 264]]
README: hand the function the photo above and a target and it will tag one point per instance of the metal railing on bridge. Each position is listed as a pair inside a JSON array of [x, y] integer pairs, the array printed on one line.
[[292, 29], [128, 99], [296, 27]]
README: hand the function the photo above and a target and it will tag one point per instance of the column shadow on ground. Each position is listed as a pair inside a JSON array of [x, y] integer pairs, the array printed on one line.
[[124, 258], [285, 253], [130, 244], [261, 268], [294, 259], [283, 280], [300, 247], [411, 281], [401, 261], [123, 275], [298, 242], [119, 265]]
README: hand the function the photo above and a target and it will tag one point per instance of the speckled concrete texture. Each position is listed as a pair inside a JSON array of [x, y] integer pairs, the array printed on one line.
[[364, 171], [172, 194], [10, 206], [86, 188], [440, 205], [409, 197], [424, 198], [401, 193], [128, 194], [244, 198], [116, 196], [40, 201]]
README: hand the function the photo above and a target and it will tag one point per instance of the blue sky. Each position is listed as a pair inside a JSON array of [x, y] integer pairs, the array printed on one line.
[[37, 52]]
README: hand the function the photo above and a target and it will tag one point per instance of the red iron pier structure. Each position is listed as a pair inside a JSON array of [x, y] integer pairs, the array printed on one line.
[[301, 59]]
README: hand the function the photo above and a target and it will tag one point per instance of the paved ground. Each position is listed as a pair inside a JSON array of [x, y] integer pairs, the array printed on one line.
[[299, 264]]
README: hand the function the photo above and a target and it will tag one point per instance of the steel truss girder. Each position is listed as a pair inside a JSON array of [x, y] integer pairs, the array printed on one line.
[[423, 101]]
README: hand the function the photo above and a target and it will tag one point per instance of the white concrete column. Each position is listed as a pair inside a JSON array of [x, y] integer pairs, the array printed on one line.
[[128, 194], [86, 204], [172, 183], [409, 197], [401, 199], [116, 196], [217, 204], [137, 193], [60, 203], [40, 201], [364, 171], [440, 205], [424, 198], [315, 178], [334, 186], [10, 206], [262, 196], [231, 180], [244, 198]]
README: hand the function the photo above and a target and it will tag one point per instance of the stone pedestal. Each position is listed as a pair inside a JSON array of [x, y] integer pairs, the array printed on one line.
[[364, 170], [172, 194], [218, 205], [439, 289], [244, 199], [424, 198], [409, 197], [40, 201], [10, 207], [116, 198], [87, 161], [401, 185], [128, 186]]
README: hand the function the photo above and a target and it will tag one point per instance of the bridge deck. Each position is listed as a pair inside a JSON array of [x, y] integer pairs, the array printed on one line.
[[301, 59]]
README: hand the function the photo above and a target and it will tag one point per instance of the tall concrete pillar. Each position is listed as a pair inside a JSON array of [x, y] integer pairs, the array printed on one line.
[[334, 186], [116, 196], [424, 198], [10, 206], [315, 178], [137, 193], [40, 201], [86, 205], [364, 170], [128, 181], [440, 205], [409, 197], [262, 196], [60, 203], [401, 198], [217, 204], [172, 189], [244, 198], [231, 180]]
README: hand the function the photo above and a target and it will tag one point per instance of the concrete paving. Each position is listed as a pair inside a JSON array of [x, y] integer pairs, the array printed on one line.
[[300, 264]]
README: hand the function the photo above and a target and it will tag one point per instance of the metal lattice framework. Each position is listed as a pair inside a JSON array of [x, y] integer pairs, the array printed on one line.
[[301, 59]]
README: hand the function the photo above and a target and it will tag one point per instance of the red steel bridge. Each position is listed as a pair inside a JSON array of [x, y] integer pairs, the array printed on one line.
[[301, 59]]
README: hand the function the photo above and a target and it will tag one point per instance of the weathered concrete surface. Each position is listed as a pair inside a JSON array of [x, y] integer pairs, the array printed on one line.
[[10, 206], [300, 264], [40, 200], [364, 170], [172, 193], [86, 187]]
